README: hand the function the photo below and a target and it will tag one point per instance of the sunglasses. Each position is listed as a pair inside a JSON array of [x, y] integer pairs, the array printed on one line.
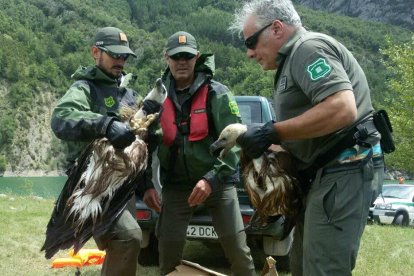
[[183, 55], [113, 55], [251, 41]]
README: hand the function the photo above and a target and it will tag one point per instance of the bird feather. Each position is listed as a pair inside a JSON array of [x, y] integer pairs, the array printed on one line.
[[270, 180]]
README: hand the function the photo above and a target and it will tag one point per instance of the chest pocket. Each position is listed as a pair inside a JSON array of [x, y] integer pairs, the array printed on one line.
[[109, 100], [289, 99]]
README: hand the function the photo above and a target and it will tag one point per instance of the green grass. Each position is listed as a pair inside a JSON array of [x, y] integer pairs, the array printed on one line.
[[385, 250]]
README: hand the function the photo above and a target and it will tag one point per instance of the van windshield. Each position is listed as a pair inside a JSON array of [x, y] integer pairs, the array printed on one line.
[[397, 191]]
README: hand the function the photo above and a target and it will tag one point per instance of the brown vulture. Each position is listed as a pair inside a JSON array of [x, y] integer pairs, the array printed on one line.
[[101, 183], [270, 180]]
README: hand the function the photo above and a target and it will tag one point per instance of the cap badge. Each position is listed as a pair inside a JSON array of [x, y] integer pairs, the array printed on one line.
[[182, 39], [123, 37]]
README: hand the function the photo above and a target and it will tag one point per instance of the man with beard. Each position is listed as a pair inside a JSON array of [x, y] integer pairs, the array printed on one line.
[[90, 110]]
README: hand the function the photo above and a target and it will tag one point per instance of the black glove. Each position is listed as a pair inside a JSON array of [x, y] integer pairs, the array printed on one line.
[[257, 139], [119, 135], [151, 106]]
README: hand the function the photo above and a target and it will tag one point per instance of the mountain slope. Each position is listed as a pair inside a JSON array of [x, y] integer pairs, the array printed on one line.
[[396, 12], [42, 42]]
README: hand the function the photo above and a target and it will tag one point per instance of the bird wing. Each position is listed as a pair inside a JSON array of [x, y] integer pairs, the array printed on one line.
[[62, 230], [58, 234], [272, 185]]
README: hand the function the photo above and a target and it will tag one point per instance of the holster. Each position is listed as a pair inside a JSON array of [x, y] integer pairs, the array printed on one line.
[[383, 125]]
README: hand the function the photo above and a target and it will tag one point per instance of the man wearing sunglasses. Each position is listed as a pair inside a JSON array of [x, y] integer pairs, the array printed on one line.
[[324, 112], [90, 110], [195, 112]]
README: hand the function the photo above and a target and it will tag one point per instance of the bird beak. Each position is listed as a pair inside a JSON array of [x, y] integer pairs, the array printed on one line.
[[217, 147]]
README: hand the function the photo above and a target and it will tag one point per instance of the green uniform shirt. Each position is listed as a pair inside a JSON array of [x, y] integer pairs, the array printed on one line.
[[316, 66]]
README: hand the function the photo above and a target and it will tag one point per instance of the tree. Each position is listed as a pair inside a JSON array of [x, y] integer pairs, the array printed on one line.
[[3, 164], [399, 61]]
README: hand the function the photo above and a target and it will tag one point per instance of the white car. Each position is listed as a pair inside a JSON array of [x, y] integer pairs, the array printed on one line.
[[395, 205]]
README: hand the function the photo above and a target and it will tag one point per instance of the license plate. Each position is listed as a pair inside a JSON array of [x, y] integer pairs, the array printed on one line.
[[201, 231]]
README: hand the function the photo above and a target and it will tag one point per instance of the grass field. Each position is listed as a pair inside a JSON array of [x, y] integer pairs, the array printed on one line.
[[385, 250]]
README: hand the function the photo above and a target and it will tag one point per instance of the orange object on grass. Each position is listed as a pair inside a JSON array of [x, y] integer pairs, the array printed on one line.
[[83, 258], [89, 256], [66, 262]]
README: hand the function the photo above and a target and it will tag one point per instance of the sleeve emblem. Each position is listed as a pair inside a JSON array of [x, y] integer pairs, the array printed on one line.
[[318, 69]]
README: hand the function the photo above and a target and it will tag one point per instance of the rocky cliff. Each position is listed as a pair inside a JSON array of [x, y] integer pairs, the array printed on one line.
[[396, 12], [34, 150]]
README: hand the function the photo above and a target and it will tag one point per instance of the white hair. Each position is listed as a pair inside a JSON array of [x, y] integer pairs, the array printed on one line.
[[265, 11]]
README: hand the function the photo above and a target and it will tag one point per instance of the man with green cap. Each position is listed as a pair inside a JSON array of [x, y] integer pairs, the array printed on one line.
[[90, 110], [195, 112]]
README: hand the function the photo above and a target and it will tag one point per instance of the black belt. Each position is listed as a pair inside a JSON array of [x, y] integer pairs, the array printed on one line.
[[356, 136], [377, 161]]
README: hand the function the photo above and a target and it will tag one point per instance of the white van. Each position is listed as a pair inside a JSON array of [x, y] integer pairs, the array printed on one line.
[[395, 205]]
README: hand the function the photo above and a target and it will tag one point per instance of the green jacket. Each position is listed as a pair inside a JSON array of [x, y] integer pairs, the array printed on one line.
[[87, 108], [185, 163]]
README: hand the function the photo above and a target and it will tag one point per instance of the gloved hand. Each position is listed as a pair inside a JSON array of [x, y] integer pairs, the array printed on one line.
[[257, 139], [119, 135], [151, 106]]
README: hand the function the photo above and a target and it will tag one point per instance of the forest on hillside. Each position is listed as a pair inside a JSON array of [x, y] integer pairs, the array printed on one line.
[[44, 41]]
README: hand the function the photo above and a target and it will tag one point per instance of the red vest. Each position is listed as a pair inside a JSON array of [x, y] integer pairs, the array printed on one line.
[[198, 118]]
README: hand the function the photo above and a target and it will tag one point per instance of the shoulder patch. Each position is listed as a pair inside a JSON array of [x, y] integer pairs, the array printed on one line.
[[318, 69], [234, 108], [109, 102]]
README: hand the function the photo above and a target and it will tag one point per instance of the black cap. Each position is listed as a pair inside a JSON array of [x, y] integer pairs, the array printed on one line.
[[181, 42], [114, 40]]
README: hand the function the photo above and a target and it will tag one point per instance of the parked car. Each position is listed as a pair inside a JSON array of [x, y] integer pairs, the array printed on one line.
[[263, 241], [371, 218], [395, 205]]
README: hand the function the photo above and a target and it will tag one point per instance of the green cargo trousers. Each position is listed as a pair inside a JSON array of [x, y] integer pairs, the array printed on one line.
[[225, 211], [328, 233], [122, 244]]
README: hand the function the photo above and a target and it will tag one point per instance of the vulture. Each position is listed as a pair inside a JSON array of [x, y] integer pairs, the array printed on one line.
[[270, 181], [101, 183]]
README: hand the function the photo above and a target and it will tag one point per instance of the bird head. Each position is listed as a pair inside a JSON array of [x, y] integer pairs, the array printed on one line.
[[158, 93], [227, 139]]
